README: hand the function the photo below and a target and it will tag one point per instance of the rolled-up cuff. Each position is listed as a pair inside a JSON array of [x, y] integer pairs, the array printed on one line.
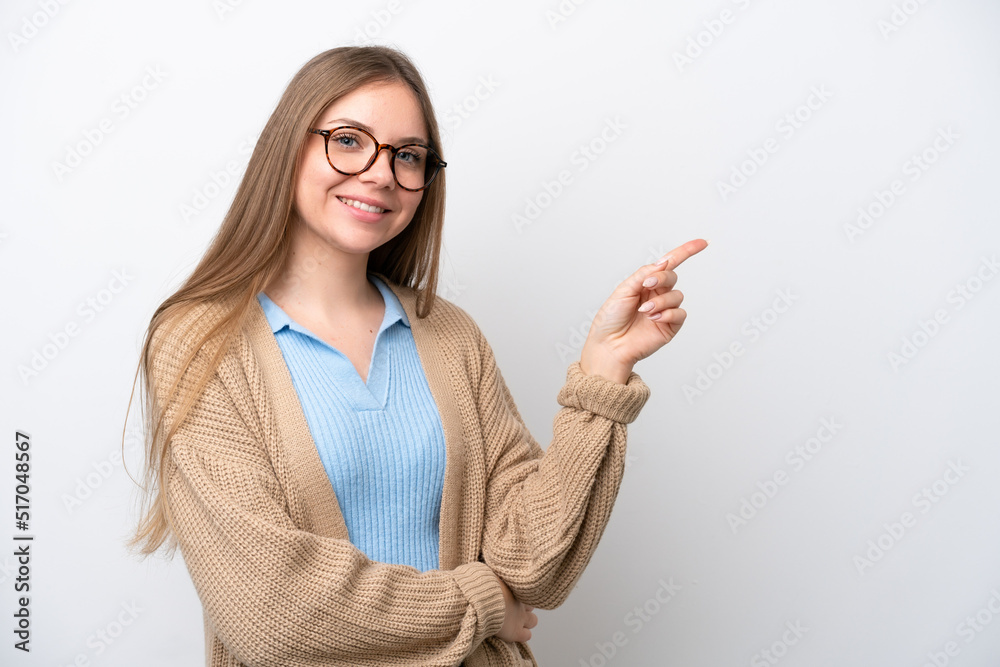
[[482, 589], [604, 397]]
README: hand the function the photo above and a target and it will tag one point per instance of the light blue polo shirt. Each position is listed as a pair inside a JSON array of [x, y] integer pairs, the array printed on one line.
[[381, 442]]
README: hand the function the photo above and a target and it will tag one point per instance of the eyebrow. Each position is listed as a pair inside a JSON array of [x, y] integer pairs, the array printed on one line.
[[351, 121]]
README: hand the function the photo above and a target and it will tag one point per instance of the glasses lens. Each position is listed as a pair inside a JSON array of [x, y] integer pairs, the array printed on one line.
[[350, 149], [415, 166]]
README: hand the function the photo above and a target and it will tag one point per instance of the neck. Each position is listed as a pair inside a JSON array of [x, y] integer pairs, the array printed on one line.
[[325, 282]]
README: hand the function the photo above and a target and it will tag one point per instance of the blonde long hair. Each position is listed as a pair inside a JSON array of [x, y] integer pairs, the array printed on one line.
[[252, 244]]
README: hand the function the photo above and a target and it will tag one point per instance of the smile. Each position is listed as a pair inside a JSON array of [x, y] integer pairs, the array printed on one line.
[[361, 205]]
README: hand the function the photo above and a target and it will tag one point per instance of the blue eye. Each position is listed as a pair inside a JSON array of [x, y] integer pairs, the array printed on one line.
[[410, 158], [346, 140]]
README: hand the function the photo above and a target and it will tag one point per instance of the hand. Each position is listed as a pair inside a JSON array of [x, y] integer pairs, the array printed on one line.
[[621, 335], [517, 620]]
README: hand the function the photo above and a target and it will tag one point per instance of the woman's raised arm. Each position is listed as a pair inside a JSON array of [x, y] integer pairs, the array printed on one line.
[[546, 511]]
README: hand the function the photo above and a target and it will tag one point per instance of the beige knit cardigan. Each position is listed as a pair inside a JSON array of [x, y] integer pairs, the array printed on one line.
[[258, 525]]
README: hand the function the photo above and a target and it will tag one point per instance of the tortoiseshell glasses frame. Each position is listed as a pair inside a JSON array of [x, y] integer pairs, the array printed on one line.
[[434, 162]]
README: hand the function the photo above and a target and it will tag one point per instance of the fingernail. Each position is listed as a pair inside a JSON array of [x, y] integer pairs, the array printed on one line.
[[663, 260], [649, 282]]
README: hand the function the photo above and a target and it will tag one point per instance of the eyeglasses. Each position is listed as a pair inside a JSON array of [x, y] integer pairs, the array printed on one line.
[[351, 150]]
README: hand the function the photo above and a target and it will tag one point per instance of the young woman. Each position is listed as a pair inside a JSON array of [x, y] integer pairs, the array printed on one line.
[[332, 446]]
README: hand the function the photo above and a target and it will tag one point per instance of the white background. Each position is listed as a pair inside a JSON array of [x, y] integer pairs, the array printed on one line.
[[892, 77]]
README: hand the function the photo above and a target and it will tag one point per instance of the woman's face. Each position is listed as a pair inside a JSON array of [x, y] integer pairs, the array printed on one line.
[[325, 199]]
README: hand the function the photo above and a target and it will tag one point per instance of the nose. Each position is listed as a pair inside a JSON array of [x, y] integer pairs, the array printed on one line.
[[380, 173]]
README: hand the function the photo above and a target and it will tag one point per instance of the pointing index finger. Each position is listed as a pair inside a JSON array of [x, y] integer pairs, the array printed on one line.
[[676, 257]]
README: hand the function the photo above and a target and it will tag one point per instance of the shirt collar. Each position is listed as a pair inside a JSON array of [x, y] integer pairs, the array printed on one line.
[[279, 319]]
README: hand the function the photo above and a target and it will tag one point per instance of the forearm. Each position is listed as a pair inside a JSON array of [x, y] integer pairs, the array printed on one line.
[[281, 596], [547, 511], [553, 529]]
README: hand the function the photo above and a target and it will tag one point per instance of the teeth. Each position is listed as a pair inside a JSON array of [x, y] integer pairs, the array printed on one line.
[[361, 205]]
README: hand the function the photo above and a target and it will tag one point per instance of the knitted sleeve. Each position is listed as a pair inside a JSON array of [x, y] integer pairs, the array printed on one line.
[[546, 511], [278, 595]]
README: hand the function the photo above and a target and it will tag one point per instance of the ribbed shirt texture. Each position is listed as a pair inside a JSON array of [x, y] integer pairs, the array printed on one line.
[[380, 441], [266, 540]]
